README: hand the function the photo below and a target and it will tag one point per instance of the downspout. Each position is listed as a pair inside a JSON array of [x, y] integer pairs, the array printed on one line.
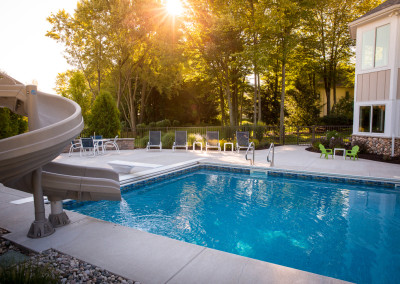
[[396, 88]]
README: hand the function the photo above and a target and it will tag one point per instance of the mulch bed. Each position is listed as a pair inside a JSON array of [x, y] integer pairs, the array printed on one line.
[[372, 157]]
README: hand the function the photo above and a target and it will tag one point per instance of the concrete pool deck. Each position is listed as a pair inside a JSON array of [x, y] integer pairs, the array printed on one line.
[[149, 258]]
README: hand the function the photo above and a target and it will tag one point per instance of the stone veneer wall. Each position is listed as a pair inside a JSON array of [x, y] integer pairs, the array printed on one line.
[[379, 145], [123, 144]]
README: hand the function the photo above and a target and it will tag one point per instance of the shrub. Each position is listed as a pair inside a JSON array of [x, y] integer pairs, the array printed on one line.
[[142, 142], [152, 124], [104, 119], [163, 123], [168, 140], [315, 143], [27, 272], [259, 130], [336, 120], [363, 146], [11, 124], [195, 137], [227, 133], [256, 142], [332, 134], [141, 125], [336, 143], [175, 123]]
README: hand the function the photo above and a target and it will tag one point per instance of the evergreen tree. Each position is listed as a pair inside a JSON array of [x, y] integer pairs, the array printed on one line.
[[104, 119]]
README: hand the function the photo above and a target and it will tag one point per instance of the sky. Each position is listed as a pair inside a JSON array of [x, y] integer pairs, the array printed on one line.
[[26, 54]]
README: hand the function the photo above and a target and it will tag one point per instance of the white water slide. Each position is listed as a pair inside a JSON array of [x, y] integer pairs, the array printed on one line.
[[26, 159]]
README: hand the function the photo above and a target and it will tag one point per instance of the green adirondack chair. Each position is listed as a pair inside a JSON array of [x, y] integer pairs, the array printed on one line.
[[352, 153], [325, 152]]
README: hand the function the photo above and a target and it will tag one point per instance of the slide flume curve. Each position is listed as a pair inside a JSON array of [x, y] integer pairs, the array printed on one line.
[[26, 159]]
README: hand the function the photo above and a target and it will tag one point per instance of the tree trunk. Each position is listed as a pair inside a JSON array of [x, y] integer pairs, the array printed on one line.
[[119, 88], [255, 98], [282, 111], [259, 97], [228, 96], [143, 99], [334, 85], [222, 105], [327, 85]]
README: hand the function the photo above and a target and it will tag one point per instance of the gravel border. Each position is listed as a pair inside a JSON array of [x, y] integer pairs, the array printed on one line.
[[70, 270]]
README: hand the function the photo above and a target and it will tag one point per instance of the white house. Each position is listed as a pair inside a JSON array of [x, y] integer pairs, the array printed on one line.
[[377, 84]]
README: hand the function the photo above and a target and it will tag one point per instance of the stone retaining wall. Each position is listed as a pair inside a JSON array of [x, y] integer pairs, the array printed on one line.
[[123, 144], [379, 145]]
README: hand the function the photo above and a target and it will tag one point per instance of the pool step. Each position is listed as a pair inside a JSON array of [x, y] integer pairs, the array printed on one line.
[[259, 173]]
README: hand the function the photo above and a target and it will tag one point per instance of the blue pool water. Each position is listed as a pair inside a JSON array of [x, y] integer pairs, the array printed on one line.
[[350, 232]]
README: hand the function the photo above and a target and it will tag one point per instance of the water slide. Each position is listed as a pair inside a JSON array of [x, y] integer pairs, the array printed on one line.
[[26, 159]]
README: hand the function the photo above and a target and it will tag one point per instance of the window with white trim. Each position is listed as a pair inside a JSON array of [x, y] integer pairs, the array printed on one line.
[[375, 47], [372, 119]]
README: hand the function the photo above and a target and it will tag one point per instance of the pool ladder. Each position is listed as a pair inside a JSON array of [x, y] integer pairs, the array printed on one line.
[[271, 152], [251, 148]]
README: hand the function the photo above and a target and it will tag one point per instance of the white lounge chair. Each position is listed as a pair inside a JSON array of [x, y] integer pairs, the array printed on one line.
[[154, 140], [180, 140], [242, 140], [212, 138], [112, 144]]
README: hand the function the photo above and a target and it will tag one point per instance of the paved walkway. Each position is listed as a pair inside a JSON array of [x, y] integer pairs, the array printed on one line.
[[150, 258]]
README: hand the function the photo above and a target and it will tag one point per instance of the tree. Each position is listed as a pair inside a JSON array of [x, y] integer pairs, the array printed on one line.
[[86, 37], [329, 38], [285, 18], [72, 85], [104, 118]]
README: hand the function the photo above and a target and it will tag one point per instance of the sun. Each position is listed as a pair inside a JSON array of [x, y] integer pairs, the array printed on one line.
[[174, 7]]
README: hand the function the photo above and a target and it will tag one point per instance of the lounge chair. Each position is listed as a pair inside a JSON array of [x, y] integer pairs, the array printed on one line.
[[74, 146], [154, 140], [352, 153], [112, 144], [325, 152], [242, 140], [212, 140], [87, 145], [180, 140]]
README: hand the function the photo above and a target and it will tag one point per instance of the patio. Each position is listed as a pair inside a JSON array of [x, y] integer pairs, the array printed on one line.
[[149, 258]]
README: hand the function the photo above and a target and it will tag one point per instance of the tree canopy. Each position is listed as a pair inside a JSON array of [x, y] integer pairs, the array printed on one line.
[[219, 62]]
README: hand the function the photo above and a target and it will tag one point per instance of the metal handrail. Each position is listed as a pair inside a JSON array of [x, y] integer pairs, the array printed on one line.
[[250, 147], [271, 161]]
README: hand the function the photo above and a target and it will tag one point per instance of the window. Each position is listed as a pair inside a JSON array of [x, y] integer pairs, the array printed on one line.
[[365, 118], [376, 121], [375, 47]]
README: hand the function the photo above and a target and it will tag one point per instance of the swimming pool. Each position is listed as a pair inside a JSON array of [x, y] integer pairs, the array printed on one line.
[[339, 230]]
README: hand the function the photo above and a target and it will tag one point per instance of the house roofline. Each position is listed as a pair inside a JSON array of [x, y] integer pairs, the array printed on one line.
[[389, 11]]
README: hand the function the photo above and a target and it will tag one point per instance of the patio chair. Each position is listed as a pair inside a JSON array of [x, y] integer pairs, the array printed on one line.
[[352, 153], [212, 140], [180, 140], [325, 152], [154, 140], [99, 143], [87, 145], [112, 144], [242, 140], [74, 146]]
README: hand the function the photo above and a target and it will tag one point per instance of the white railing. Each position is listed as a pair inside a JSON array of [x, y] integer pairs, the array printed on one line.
[[271, 152], [251, 147]]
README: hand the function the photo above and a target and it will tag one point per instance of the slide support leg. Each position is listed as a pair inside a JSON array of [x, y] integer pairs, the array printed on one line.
[[41, 227], [57, 217]]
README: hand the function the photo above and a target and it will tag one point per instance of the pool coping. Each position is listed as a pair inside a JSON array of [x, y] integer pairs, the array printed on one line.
[[181, 168]]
